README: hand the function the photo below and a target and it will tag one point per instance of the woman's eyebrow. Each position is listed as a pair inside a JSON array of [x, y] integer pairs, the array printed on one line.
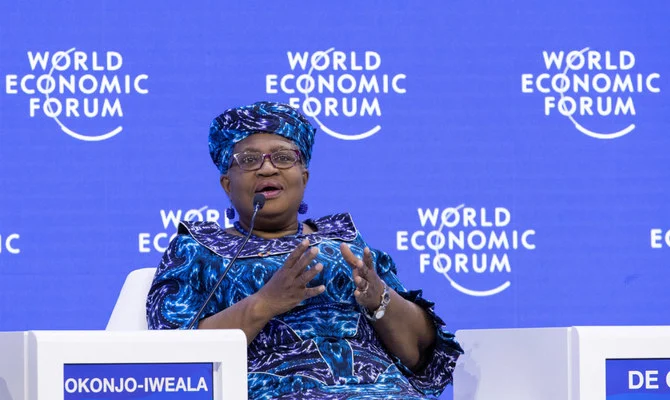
[[283, 147], [272, 149]]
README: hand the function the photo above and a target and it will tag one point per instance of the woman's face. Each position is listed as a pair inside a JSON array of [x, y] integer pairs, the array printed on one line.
[[282, 188]]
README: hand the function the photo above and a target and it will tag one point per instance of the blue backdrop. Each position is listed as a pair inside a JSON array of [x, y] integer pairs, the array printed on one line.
[[511, 156]]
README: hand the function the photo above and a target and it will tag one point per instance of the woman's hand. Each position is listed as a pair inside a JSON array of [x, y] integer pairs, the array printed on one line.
[[369, 286], [406, 329], [288, 286]]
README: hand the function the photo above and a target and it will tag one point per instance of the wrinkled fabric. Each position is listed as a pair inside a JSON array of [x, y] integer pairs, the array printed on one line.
[[324, 348]]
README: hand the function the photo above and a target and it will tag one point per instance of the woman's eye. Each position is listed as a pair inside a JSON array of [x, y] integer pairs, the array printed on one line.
[[248, 159]]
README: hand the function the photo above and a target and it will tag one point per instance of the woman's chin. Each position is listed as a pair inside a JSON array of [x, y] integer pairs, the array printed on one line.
[[273, 207]]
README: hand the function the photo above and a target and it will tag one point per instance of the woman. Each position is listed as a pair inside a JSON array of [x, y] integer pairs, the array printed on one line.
[[325, 316]]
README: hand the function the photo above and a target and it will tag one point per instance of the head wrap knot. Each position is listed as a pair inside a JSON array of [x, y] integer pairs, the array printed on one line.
[[236, 124]]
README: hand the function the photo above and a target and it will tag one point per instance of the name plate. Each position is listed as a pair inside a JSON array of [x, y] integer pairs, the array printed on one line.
[[187, 381], [638, 379]]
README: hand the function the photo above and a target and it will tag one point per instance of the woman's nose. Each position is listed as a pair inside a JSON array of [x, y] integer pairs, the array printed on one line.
[[267, 167]]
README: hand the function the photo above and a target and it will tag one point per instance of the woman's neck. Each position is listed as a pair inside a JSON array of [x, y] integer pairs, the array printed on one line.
[[266, 232]]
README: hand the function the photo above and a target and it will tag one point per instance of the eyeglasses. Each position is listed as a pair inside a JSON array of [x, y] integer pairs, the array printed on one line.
[[253, 160]]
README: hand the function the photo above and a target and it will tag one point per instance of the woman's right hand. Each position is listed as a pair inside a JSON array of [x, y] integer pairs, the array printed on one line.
[[288, 286]]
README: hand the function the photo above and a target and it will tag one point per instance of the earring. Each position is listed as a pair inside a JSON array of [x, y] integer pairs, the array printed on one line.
[[230, 213], [302, 209]]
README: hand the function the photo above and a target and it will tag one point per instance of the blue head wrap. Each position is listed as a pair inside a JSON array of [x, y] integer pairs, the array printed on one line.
[[238, 123]]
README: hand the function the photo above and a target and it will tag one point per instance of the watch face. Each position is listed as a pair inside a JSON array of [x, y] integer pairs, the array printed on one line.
[[379, 314], [386, 298]]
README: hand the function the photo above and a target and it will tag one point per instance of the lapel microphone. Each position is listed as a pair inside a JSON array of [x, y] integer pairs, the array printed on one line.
[[259, 202]]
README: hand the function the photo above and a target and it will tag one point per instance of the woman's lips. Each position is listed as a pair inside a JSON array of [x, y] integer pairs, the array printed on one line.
[[269, 188], [270, 194]]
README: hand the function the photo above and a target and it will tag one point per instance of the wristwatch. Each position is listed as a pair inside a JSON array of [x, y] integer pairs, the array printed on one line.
[[379, 312]]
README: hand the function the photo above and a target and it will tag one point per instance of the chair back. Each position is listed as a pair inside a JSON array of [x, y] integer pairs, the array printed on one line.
[[130, 311]]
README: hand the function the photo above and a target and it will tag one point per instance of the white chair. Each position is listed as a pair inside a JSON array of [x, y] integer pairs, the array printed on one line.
[[130, 312]]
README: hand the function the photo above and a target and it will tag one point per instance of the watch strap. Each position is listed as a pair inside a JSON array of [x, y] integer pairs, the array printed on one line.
[[381, 310]]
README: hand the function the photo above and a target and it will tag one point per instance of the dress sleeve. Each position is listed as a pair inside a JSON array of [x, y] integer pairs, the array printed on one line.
[[178, 289], [439, 368]]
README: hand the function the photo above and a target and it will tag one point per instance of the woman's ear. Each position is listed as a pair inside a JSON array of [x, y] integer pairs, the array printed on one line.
[[305, 177], [225, 184]]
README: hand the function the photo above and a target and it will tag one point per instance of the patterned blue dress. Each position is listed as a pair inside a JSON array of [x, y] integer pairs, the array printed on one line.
[[322, 349]]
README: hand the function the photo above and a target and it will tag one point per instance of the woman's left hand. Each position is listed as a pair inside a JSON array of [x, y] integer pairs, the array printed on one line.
[[369, 286]]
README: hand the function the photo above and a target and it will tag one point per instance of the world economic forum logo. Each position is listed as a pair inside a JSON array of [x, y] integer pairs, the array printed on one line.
[[9, 243], [335, 87], [470, 247], [594, 90], [74, 87], [159, 240]]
